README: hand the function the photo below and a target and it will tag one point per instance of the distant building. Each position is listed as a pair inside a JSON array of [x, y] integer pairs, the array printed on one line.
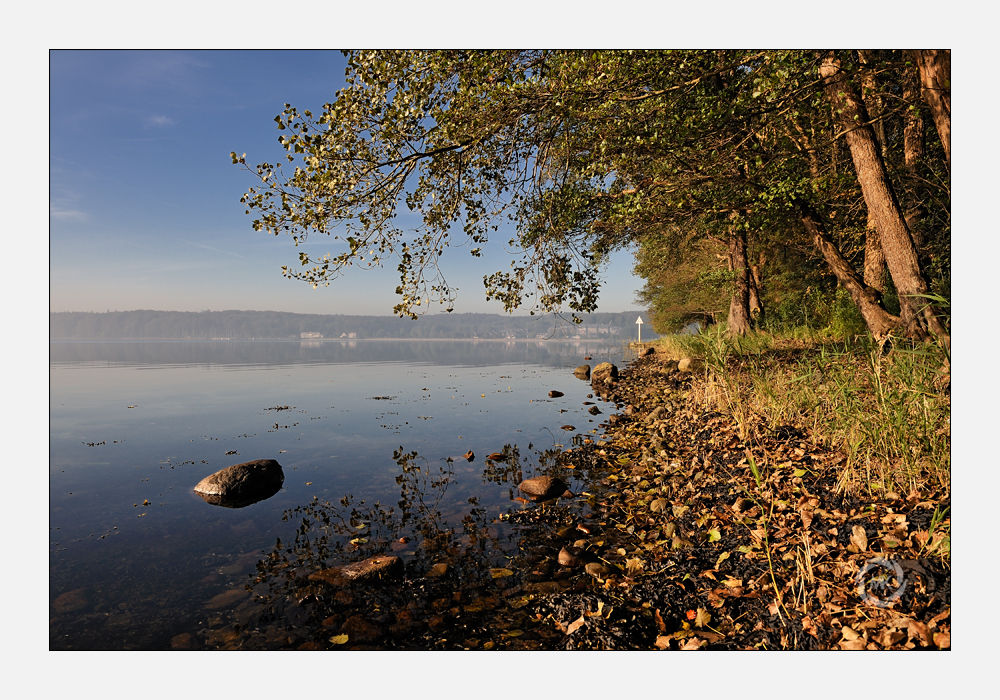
[[310, 335]]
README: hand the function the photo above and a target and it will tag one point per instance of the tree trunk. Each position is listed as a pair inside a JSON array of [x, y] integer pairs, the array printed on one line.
[[913, 152], [917, 316], [875, 268], [756, 304], [879, 321], [739, 305], [935, 86]]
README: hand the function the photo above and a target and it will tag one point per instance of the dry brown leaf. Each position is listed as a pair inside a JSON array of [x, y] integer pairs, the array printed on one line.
[[660, 624], [859, 539], [575, 625], [662, 642], [942, 640], [693, 644], [855, 645], [702, 618], [918, 632]]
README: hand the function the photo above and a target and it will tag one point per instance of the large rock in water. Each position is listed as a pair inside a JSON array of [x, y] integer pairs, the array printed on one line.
[[383, 567], [604, 373], [242, 484], [542, 488], [582, 372]]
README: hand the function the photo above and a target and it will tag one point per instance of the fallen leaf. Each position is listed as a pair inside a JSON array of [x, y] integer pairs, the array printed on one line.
[[501, 573], [693, 644], [858, 538], [918, 631], [702, 618], [339, 639], [942, 640], [660, 624], [662, 642], [634, 565], [574, 626]]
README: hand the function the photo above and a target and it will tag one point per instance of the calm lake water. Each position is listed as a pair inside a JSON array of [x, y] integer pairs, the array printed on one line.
[[137, 557]]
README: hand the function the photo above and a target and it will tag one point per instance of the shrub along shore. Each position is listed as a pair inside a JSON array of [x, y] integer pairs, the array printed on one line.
[[766, 495]]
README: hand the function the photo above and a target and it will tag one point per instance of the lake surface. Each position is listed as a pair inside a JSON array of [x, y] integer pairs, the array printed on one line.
[[136, 557]]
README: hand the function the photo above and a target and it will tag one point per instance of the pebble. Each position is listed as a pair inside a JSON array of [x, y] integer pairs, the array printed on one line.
[[72, 601], [555, 394], [597, 569], [439, 569], [184, 642]]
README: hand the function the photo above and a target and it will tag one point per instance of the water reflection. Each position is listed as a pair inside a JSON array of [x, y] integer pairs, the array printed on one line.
[[466, 555], [235, 355]]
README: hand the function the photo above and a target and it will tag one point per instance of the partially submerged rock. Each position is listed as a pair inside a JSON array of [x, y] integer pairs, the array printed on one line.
[[582, 372], [383, 567], [242, 484], [555, 394], [542, 488]]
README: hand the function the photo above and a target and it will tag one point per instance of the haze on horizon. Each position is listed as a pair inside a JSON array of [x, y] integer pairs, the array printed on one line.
[[144, 198]]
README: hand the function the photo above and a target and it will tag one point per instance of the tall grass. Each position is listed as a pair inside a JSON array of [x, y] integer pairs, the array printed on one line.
[[888, 412]]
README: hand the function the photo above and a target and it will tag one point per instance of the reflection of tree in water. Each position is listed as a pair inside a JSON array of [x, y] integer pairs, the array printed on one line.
[[417, 530], [496, 563]]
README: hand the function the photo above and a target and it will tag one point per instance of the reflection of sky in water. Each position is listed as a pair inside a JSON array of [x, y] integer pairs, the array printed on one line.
[[332, 441]]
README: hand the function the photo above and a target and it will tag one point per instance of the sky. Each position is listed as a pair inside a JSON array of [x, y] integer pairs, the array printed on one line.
[[144, 199]]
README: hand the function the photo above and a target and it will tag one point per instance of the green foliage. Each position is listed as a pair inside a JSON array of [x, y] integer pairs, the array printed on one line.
[[590, 152]]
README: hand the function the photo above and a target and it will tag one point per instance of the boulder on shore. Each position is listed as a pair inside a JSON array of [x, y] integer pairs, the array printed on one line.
[[604, 373], [542, 488], [378, 568], [242, 484]]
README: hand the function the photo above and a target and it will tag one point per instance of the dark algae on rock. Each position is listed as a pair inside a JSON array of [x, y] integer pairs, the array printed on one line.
[[687, 531]]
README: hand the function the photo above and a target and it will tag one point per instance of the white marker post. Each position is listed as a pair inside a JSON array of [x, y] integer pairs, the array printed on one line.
[[639, 321]]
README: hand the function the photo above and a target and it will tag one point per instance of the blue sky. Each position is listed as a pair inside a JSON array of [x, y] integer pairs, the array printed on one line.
[[144, 199]]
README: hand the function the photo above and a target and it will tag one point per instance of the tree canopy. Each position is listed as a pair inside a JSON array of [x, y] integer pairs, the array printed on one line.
[[756, 152]]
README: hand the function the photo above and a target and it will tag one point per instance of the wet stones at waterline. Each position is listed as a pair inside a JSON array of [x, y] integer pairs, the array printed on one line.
[[582, 372], [555, 394], [242, 484], [542, 488]]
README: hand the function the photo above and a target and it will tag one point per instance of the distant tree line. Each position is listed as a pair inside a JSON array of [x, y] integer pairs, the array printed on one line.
[[277, 325]]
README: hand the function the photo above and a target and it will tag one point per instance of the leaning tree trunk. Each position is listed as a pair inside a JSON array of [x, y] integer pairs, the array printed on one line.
[[868, 300], [935, 86], [875, 268], [913, 153], [918, 316], [739, 305]]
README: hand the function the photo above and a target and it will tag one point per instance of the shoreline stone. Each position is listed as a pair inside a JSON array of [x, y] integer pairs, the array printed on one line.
[[383, 567], [541, 488]]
